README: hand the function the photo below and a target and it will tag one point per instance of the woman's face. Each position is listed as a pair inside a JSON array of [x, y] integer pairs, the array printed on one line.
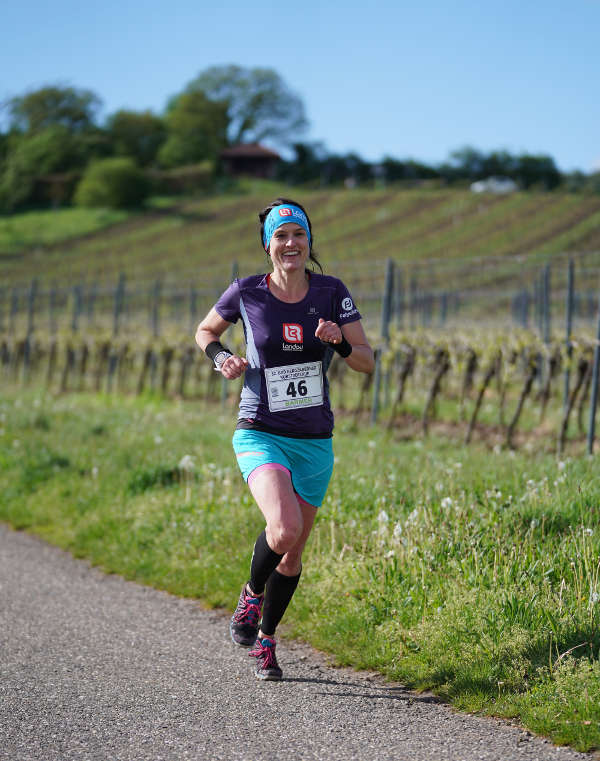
[[289, 249]]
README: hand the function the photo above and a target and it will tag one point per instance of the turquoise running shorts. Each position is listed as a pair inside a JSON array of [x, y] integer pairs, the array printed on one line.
[[309, 461]]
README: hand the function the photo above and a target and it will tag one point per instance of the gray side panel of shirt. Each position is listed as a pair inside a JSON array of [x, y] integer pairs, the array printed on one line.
[[250, 397]]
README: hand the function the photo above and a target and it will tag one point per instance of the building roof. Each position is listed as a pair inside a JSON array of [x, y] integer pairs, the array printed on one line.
[[249, 150]]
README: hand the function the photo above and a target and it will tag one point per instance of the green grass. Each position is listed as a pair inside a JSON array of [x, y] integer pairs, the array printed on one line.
[[34, 229], [471, 572]]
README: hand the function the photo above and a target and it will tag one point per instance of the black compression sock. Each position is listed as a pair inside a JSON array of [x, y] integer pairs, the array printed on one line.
[[280, 590], [264, 562]]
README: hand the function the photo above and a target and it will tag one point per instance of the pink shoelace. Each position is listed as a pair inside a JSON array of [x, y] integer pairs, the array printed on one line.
[[265, 651], [248, 610]]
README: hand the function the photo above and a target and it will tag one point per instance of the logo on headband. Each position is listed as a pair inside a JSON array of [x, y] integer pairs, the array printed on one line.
[[285, 212]]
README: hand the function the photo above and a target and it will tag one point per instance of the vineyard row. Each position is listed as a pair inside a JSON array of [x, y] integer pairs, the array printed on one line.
[[416, 373]]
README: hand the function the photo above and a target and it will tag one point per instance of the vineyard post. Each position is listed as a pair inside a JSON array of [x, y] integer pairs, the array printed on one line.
[[193, 308], [77, 304], [91, 302], [594, 396], [526, 300], [412, 302], [14, 309], [31, 306], [155, 312], [399, 300], [1, 310], [547, 305], [118, 307], [52, 309], [569, 329], [537, 305], [235, 271], [444, 308], [30, 325], [386, 309]]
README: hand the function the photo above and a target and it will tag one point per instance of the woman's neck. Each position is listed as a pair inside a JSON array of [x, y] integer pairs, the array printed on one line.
[[289, 286]]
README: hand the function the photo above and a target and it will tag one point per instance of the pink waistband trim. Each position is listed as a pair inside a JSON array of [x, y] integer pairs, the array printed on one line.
[[267, 466]]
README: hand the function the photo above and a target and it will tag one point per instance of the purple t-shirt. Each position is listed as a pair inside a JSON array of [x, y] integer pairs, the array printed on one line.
[[285, 385]]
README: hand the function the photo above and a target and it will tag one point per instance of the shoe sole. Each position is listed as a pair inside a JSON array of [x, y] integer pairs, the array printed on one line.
[[240, 644], [268, 677]]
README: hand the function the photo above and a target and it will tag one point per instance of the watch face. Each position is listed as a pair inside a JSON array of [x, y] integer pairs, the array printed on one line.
[[221, 357]]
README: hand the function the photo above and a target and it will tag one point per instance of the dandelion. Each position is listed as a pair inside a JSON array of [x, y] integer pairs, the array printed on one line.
[[497, 449], [186, 463], [372, 444], [588, 531], [446, 502], [186, 466], [594, 598], [158, 439], [390, 554], [397, 533], [562, 465], [95, 471], [383, 518]]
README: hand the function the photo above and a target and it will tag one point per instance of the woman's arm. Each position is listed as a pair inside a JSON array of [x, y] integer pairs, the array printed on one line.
[[361, 358], [211, 329]]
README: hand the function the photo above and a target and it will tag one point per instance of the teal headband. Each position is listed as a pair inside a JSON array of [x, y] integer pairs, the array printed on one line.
[[281, 215]]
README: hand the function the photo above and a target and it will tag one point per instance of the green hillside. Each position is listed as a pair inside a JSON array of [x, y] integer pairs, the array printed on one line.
[[353, 228], [481, 250]]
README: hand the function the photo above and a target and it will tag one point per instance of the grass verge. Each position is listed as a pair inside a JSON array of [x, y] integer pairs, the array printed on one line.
[[471, 573]]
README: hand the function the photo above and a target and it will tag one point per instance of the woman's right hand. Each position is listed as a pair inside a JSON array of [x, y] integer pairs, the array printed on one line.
[[233, 367]]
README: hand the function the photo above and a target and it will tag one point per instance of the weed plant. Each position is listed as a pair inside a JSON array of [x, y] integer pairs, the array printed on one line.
[[473, 572]]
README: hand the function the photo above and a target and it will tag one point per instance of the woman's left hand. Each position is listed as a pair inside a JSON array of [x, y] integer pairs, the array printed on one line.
[[329, 332]]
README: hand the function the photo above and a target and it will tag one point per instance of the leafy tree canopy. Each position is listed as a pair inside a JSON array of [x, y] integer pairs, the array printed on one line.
[[260, 105], [74, 109], [196, 127], [137, 134]]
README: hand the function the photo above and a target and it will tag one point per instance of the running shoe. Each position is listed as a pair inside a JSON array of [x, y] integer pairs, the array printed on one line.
[[266, 663], [243, 626]]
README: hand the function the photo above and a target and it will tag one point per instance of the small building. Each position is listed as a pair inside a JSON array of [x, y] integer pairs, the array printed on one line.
[[498, 185], [250, 159]]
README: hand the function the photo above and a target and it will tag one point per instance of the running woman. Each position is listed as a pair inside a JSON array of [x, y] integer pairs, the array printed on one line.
[[293, 319]]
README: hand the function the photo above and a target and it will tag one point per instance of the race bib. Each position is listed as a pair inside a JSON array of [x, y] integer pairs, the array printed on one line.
[[293, 386]]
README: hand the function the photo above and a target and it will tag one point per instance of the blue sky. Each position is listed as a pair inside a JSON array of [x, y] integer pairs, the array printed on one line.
[[406, 79]]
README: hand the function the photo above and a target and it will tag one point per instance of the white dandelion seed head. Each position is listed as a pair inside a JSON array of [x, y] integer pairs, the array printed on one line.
[[186, 463]]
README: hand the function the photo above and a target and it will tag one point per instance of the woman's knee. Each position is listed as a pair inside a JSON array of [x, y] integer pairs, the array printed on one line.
[[282, 536]]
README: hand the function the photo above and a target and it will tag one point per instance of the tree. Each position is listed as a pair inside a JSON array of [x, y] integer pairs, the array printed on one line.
[[537, 170], [260, 105], [52, 150], [115, 183], [137, 134], [196, 128], [74, 109]]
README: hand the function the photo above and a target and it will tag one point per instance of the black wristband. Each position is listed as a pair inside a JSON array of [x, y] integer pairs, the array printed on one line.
[[344, 348], [217, 352]]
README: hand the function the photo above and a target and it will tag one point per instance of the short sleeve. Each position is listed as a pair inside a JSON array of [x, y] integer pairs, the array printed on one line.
[[345, 307], [228, 305]]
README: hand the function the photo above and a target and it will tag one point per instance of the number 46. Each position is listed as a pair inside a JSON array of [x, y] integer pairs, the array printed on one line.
[[301, 389]]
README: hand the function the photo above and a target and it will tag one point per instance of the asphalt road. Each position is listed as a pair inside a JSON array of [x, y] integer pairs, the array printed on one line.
[[95, 667]]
